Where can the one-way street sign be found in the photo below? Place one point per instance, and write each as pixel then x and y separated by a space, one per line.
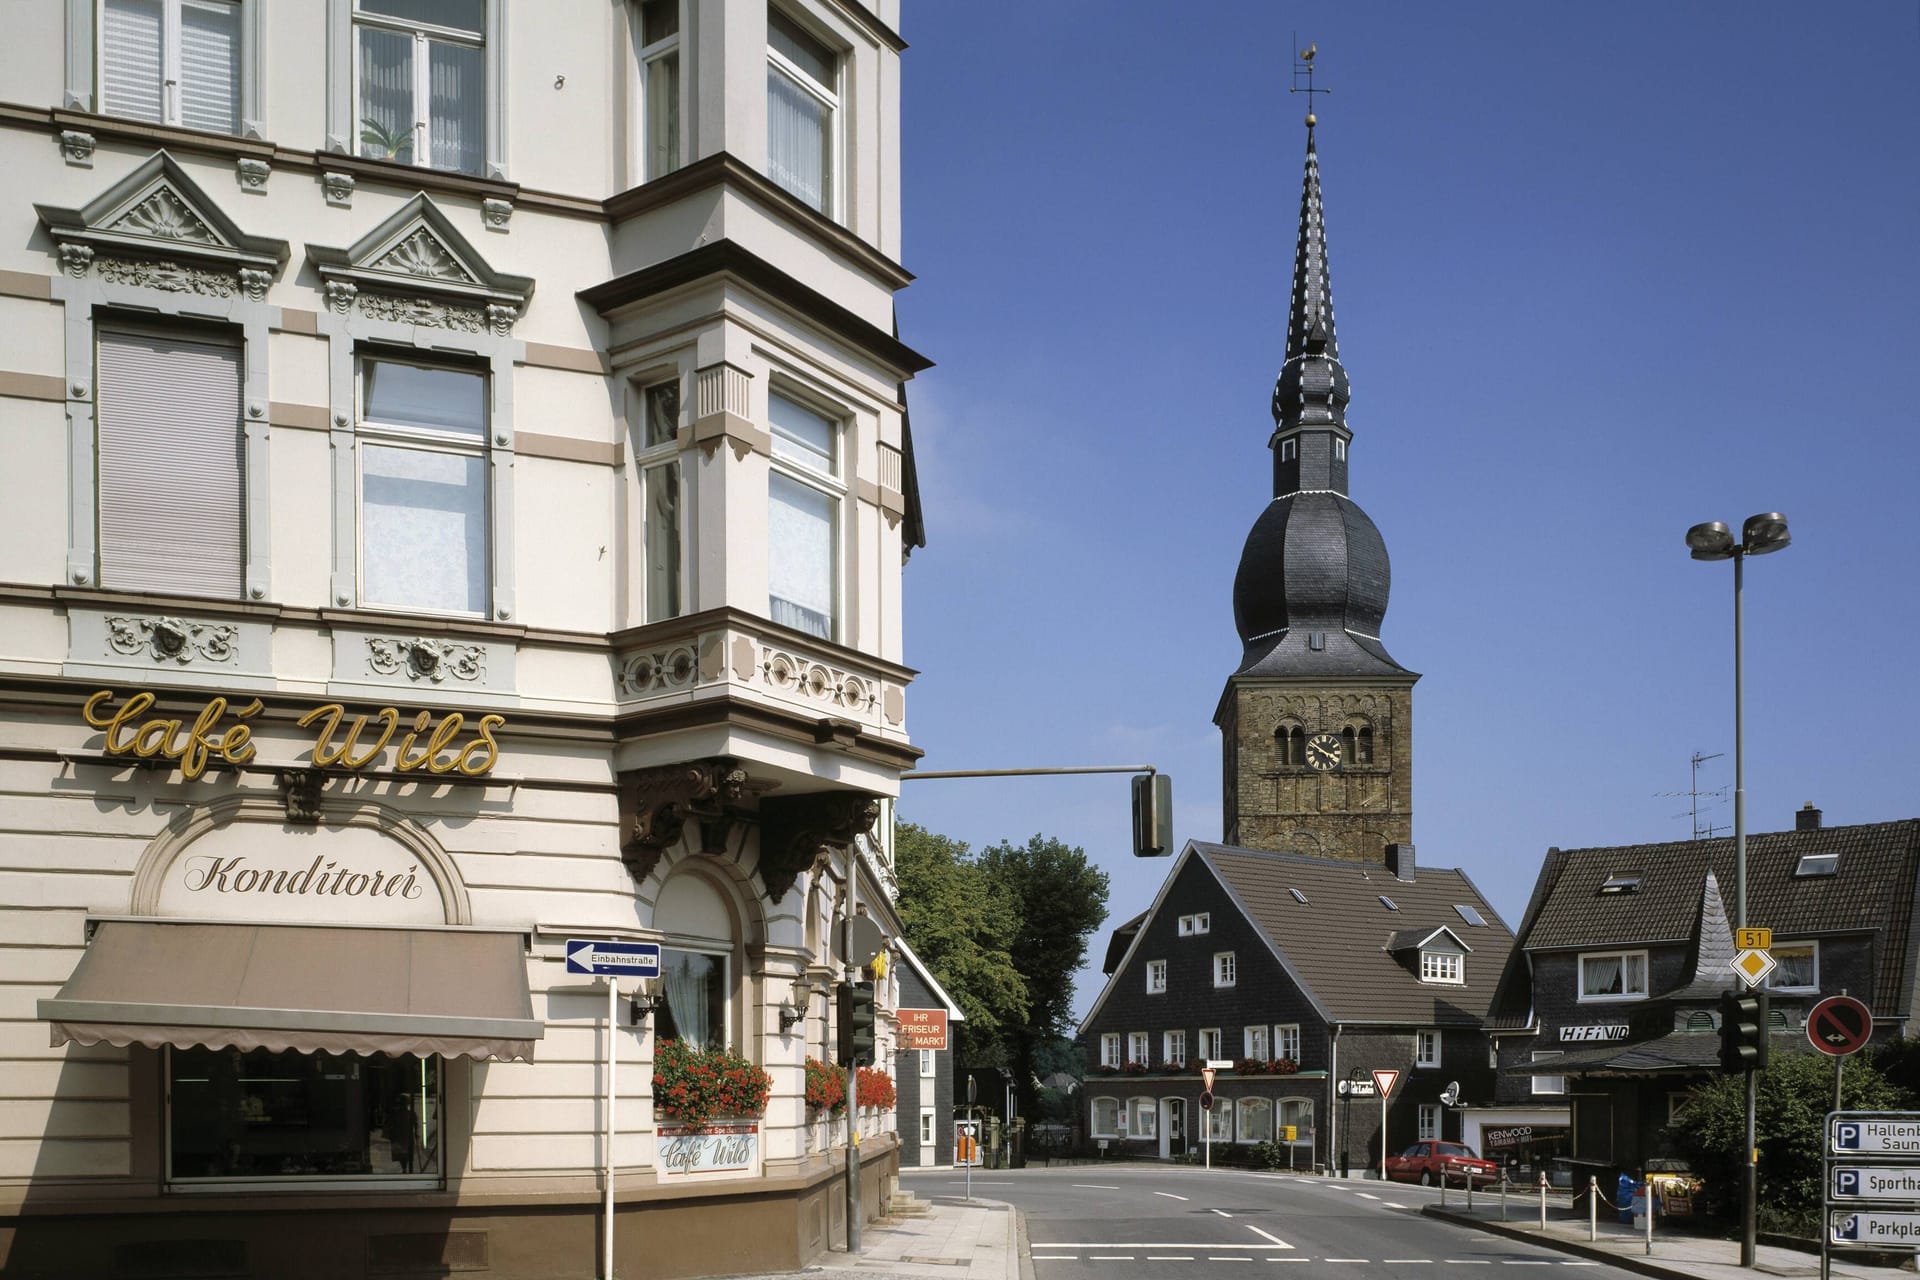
pixel 631 959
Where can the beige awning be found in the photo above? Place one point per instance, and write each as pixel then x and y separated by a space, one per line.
pixel 312 989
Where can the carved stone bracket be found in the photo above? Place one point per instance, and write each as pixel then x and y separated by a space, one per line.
pixel 77 147
pixel 77 259
pixel 496 214
pixel 796 830
pixel 252 174
pixel 300 792
pixel 338 188
pixel 340 295
pixel 657 804
pixel 172 639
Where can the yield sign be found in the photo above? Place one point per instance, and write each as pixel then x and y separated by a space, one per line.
pixel 1753 966
pixel 1385 1080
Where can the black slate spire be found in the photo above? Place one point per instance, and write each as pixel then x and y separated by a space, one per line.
pixel 1310 397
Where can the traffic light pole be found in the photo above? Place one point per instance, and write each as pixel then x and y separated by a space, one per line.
pixel 1749 1170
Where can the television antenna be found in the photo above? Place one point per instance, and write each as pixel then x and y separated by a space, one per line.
pixel 1694 795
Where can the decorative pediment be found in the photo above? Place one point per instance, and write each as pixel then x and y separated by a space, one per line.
pixel 159 212
pixel 417 268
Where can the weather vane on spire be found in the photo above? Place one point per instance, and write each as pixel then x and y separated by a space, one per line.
pixel 1303 66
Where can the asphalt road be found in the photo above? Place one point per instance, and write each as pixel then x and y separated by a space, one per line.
pixel 1143 1222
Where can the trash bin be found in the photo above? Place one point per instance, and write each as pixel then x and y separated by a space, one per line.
pixel 1642 1204
pixel 1623 1198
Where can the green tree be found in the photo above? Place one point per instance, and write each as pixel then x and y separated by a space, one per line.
pixel 963 931
pixel 1795 1093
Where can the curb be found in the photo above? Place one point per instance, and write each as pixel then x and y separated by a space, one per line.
pixel 1022 1243
pixel 1625 1261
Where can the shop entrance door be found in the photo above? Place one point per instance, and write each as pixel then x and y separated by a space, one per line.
pixel 1173 1127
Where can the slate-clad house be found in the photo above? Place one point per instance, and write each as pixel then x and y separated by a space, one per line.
pixel 1305 972
pixel 1610 1003
pixel 923 1078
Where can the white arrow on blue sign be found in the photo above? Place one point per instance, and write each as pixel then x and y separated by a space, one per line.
pixel 584 955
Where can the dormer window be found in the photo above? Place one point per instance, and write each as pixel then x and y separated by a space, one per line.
pixel 1817 864
pixel 1442 966
pixel 1622 882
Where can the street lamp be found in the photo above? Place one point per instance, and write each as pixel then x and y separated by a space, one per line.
pixel 1761 534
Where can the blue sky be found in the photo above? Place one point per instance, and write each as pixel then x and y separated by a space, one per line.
pixel 1600 272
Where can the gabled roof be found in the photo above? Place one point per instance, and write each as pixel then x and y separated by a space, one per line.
pixel 1336 945
pixel 1408 939
pixel 1871 891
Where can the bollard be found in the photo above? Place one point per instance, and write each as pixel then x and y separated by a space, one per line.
pixel 1443 1187
pixel 1649 1219
pixel 1543 1202
pixel 1469 1193
pixel 1503 1195
pixel 1593 1208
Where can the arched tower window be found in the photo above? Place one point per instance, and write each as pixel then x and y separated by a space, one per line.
pixel 1291 739
pixel 1363 747
pixel 1349 745
pixel 1357 738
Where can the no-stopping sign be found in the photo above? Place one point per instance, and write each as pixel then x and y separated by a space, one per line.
pixel 1839 1025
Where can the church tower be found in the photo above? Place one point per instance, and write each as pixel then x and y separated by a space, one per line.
pixel 1317 722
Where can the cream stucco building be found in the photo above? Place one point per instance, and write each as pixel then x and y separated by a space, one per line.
pixel 456 484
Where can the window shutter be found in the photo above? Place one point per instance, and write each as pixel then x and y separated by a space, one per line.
pixel 210 65
pixel 130 58
pixel 171 464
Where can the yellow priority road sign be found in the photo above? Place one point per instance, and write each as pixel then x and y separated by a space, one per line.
pixel 1753 966
pixel 1753 939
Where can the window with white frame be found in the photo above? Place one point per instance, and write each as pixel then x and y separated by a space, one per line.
pixel 660 496
pixel 660 85
pixel 1797 967
pixel 1138 1047
pixel 1429 1121
pixel 803 109
pixel 1676 1103
pixel 1286 1041
pixel 928 1064
pixel 1143 1115
pixel 1289 449
pixel 695 1009
pixel 926 1127
pixel 1110 1049
pixel 1442 966
pixel 1339 449
pixel 423 486
pixel 1224 969
pixel 1297 1112
pixel 1548 1084
pixel 1254 1120
pixel 1210 1046
pixel 803 517
pixel 1173 1048
pixel 1105 1118
pixel 1220 1121
pixel 1156 977
pixel 1613 975
pixel 171 458
pixel 1426 1049
pixel 172 62
pixel 1196 924
pixel 1253 1042
pixel 420 82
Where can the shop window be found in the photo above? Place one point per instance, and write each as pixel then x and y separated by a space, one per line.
pixel 1220 1121
pixel 1297 1112
pixel 661 523
pixel 660 85
pixel 803 518
pixel 1105 1120
pixel 172 462
pixel 420 82
pixel 1613 975
pixel 1143 1116
pixel 256 1115
pixel 1254 1123
pixel 695 1010
pixel 423 486
pixel 803 108
pixel 173 62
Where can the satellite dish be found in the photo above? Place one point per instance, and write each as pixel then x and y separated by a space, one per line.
pixel 1450 1094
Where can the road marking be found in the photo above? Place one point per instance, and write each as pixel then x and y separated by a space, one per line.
pixel 1524 1262
pixel 1169 1257
pixel 1169 1195
pixel 1150 1244
pixel 1346 1259
pixel 1222 1212
pixel 1264 1236
pixel 1466 1262
pixel 1390 1204
pixel 1111 1257
pixel 1364 1196
pixel 1217 1258
pixel 1092 1186
pixel 1056 1257
pixel 1579 1264
pixel 1392 1261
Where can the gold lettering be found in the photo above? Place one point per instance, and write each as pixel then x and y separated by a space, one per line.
pixel 156 738
pixel 236 745
pixel 401 762
pixel 325 754
pixel 474 768
pixel 442 735
pixel 119 720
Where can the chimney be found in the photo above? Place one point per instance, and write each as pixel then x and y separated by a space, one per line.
pixel 1808 819
pixel 1400 861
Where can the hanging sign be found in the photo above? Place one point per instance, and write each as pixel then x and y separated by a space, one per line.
pixel 432 745
pixel 923 1028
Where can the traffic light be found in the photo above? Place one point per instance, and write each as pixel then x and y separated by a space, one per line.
pixel 1152 815
pixel 853 1003
pixel 1743 1031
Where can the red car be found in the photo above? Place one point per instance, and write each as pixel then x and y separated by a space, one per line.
pixel 1428 1162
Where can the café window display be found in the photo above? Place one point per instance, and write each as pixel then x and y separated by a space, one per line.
pixel 695 1009
pixel 252 1115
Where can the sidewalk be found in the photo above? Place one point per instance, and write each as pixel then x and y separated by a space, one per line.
pixel 1686 1257
pixel 954 1239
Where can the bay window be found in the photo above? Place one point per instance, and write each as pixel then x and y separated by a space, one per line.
pixel 659 463
pixel 803 104
pixel 660 85
pixel 420 82
pixel 803 518
pixel 172 62
pixel 171 462
pixel 423 487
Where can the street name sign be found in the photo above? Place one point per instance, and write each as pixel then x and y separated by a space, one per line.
pixel 620 959
pixel 1219 1064
pixel 1864 1137
pixel 1874 1182
pixel 1753 939
pixel 1844 1227
pixel 1752 967
pixel 1839 1025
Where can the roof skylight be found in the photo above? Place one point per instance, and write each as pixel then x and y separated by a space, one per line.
pixel 1471 915
pixel 1299 897
pixel 1817 864
pixel 1388 903
pixel 1622 882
